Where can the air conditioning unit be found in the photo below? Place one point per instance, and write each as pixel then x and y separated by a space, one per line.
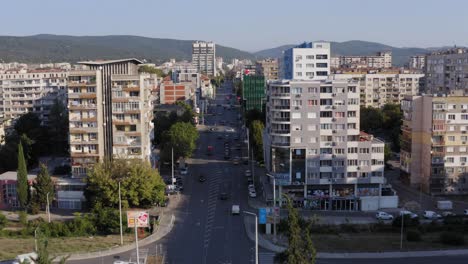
pixel 333 156
pixel 463 164
pixel 464 142
pixel 333 131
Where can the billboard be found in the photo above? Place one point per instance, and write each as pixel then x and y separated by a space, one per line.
pixel 141 217
pixel 262 215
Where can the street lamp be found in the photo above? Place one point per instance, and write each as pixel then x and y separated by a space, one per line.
pixel 401 232
pixel 120 213
pixel 274 205
pixel 256 234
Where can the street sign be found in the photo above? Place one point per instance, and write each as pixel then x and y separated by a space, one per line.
pixel 142 218
pixel 262 215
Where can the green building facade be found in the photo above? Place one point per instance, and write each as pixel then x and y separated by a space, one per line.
pixel 253 92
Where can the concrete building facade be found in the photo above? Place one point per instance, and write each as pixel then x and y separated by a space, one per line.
pixel 267 68
pixel 417 62
pixel 434 148
pixel 110 113
pixel 315 150
pixel 308 61
pixel 253 92
pixel 204 57
pixel 380 60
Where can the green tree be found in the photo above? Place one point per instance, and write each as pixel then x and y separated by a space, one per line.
pixel 257 138
pixel 141 185
pixel 3 221
pixel 22 178
pixel 371 119
pixel 188 115
pixel 152 70
pixel 252 115
pixel 387 153
pixel 58 128
pixel 182 137
pixel 162 123
pixel 43 185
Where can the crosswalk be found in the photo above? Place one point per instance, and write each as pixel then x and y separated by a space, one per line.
pixel 266 258
pixel 213 190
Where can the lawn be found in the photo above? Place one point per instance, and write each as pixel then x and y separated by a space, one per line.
pixel 11 247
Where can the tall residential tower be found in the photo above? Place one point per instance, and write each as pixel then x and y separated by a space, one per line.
pixel 204 57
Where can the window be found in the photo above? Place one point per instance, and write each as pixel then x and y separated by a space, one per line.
pixel 311 115
pixel 311 102
pixel 321 56
pixel 463 159
pixel 326 114
pixel 296 102
pixel 326 126
pixel 462 149
pixel 464 138
pixel 464 117
pixel 352 150
pixel 309 65
pixel 340 126
pixel 351 113
pixel 352 162
pixel 351 125
pixel 296 90
pixel 451 138
pixel 339 114
pixel 451 117
pixel 298 140
pixel 296 115
pixel 340 139
pixel 134 116
pixel 326 138
pixel 353 101
pixel 322 65
pixel 310 57
pixel 312 90
pixel 298 57
pixel 339 151
pixel 120 117
pixel 298 65
pixel 325 151
pixel 298 73
pixel 364 150
pixel 450 160
pixel 449 149
pixel 322 73
pixel 309 74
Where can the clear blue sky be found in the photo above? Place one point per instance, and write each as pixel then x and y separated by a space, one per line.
pixel 247 24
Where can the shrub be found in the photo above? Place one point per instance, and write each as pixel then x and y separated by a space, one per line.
pixel 408 221
pixel 451 238
pixel 413 235
pixel 23 218
pixel 3 221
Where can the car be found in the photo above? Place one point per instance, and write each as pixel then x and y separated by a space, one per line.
pixel 213 129
pixel 230 129
pixel 447 213
pixel 223 196
pixel 465 212
pixel 431 215
pixel 235 210
pixel 383 216
pixel 201 178
pixel 252 194
pixel 236 161
pixel 184 171
pixel 248 173
pixel 249 180
pixel 411 214
pixel 251 187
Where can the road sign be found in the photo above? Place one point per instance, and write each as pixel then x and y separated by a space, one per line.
pixel 262 215
pixel 142 218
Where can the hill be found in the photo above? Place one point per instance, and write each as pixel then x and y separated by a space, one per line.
pixel 355 47
pixel 58 48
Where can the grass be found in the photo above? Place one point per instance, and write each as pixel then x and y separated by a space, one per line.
pixel 11 247
pixel 375 242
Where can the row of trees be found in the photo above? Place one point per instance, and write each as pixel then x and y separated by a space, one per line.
pixel 255 121
pixel 385 122
pixel 37 139
pixel 178 132
pixel 153 70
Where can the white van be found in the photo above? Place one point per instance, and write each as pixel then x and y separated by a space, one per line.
pixel 431 215
pixel 235 209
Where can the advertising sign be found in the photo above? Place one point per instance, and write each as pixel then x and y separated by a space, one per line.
pixel 262 215
pixel 142 218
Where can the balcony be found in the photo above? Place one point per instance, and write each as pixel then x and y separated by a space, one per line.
pixel 81 84
pixel 131 88
pixel 81 107
pixel 281 120
pixel 281 107
pixel 280 95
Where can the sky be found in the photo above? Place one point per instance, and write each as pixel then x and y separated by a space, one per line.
pixel 249 25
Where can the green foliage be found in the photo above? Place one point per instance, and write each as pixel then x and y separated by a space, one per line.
pixel 257 138
pixel 413 236
pixel 452 238
pixel 42 251
pixel 152 70
pixel 387 153
pixel 58 128
pixel 106 220
pixel 43 185
pixel 162 123
pixel 141 185
pixel 3 221
pixel 370 119
pixel 23 218
pixel 408 221
pixel 188 115
pixel 182 137
pixel 253 115
pixel 387 120
pixel 22 178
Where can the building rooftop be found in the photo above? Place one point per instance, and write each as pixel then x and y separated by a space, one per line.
pixel 12 176
pixel 102 62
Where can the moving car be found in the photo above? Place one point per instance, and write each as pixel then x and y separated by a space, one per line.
pixel 230 129
pixel 383 216
pixel 223 196
pixel 431 215
pixel 251 187
pixel 252 194
pixel 236 161
pixel 235 209
pixel 184 171
pixel 248 173
pixel 465 212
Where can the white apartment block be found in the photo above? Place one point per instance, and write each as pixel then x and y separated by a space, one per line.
pixel 315 150
pixel 417 62
pixel 110 113
pixel 308 61
pixel 447 71
pixel 380 60
pixel 378 89
pixel 24 91
pixel 204 57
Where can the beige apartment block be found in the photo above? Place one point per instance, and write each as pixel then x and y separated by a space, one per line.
pixel 110 112
pixel 435 143
pixel 267 68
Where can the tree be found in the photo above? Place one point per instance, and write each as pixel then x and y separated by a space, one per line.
pixel 370 119
pixel 257 138
pixel 58 127
pixel 43 186
pixel 152 70
pixel 3 221
pixel 252 115
pixel 162 123
pixel 182 137
pixel 387 153
pixel 141 185
pixel 22 178
pixel 188 115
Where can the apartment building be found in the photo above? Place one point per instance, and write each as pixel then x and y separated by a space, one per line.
pixel 253 92
pixel 308 61
pixel 378 89
pixel 110 113
pixel 267 68
pixel 204 57
pixel 434 148
pixel 31 91
pixel 417 62
pixel 447 71
pixel 315 150
pixel 380 60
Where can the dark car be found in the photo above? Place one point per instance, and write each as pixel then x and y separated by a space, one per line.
pixel 223 196
pixel 201 178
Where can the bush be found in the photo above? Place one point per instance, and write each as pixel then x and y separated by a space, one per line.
pixel 408 221
pixel 3 221
pixel 451 238
pixel 23 218
pixel 413 236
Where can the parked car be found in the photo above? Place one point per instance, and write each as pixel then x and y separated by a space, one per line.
pixel 184 171
pixel 235 209
pixel 411 214
pixel 236 161
pixel 447 213
pixel 252 193
pixel 201 178
pixel 431 215
pixel 383 216
pixel 251 187
pixel 465 212
pixel 248 173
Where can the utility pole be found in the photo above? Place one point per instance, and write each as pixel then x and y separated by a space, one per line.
pixel 136 239
pixel 401 232
pixel 120 213
pixel 172 158
pixel 48 206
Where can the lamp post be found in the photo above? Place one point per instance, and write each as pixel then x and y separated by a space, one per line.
pixel 274 205
pixel 120 213
pixel 401 232
pixel 256 234
pixel 48 206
